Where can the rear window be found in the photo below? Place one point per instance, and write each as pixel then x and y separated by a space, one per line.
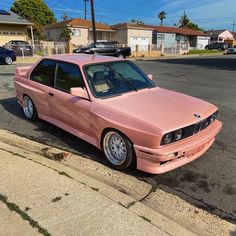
pixel 44 73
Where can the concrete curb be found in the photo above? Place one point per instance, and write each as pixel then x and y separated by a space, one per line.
pixel 145 212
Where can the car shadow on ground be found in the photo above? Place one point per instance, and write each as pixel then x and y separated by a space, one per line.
pixel 207 62
pixel 45 132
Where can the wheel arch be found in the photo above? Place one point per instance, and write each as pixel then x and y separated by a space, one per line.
pixel 107 129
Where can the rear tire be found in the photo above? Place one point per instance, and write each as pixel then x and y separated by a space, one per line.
pixel 8 60
pixel 118 150
pixel 29 109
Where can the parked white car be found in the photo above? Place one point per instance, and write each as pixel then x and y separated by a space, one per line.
pixel 231 50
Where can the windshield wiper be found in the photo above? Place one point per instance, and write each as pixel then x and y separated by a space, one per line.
pixel 127 81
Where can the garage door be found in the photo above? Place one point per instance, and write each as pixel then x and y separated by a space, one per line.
pixel 202 42
pixel 141 41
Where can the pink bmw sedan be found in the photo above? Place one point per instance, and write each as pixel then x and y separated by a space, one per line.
pixel 114 105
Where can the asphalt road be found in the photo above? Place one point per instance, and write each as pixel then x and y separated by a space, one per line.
pixel 210 181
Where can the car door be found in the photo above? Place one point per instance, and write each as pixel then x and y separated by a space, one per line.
pixel 70 111
pixel 98 48
pixel 2 54
pixel 41 79
pixel 109 49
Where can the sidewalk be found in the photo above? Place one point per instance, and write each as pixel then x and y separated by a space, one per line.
pixel 58 200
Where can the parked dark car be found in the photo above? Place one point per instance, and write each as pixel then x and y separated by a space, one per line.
pixel 21 48
pixel 7 56
pixel 105 48
pixel 218 46
pixel 232 50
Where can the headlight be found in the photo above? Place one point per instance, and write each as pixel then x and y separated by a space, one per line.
pixel 178 134
pixel 167 138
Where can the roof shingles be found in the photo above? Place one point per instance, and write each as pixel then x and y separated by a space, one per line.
pixel 13 18
pixel 78 22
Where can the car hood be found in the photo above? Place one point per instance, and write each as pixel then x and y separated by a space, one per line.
pixel 164 109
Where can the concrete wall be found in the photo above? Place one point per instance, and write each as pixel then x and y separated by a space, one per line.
pixel 140 33
pixel 12 32
pixel 121 36
pixel 165 38
pixel 80 39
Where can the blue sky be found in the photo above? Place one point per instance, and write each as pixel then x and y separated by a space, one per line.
pixel 217 14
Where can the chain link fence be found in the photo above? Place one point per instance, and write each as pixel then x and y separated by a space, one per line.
pixel 22 49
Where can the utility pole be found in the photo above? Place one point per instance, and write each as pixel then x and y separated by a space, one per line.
pixel 85 8
pixel 234 26
pixel 93 21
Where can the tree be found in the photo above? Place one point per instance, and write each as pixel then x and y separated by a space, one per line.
pixel 184 21
pixel 162 16
pixel 193 26
pixel 35 11
pixel 65 34
pixel 139 22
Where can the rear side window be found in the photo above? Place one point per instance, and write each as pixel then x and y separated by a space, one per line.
pixel 68 76
pixel 44 73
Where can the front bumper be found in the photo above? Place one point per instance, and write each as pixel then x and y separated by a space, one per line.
pixel 167 158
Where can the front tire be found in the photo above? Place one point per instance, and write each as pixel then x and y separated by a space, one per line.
pixel 29 109
pixel 118 150
pixel 8 60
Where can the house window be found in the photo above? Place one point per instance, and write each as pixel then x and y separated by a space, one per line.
pixel 12 33
pixel 161 37
pixel 19 33
pixel 5 33
pixel 76 32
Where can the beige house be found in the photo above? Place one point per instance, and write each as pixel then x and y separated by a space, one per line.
pixel 125 33
pixel 134 34
pixel 81 31
pixel 220 35
pixel 13 27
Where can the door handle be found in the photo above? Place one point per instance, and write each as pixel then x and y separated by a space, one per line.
pixel 51 94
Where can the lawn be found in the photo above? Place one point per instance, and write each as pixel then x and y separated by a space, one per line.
pixel 203 51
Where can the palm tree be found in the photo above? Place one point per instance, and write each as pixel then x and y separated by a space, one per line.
pixel 162 16
pixel 184 21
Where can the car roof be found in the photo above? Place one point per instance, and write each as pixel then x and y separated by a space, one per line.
pixel 83 59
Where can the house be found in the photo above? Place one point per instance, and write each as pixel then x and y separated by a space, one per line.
pixel 81 31
pixel 219 35
pixel 134 34
pixel 13 27
pixel 173 35
pixel 127 34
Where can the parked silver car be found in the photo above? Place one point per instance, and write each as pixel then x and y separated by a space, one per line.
pixel 231 50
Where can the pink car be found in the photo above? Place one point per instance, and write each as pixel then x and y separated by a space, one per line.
pixel 115 106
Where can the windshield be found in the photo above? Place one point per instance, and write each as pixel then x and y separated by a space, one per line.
pixel 91 45
pixel 115 78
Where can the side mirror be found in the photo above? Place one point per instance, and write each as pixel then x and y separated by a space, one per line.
pixel 79 92
pixel 150 76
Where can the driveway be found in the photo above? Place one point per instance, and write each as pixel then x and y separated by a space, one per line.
pixel 210 181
